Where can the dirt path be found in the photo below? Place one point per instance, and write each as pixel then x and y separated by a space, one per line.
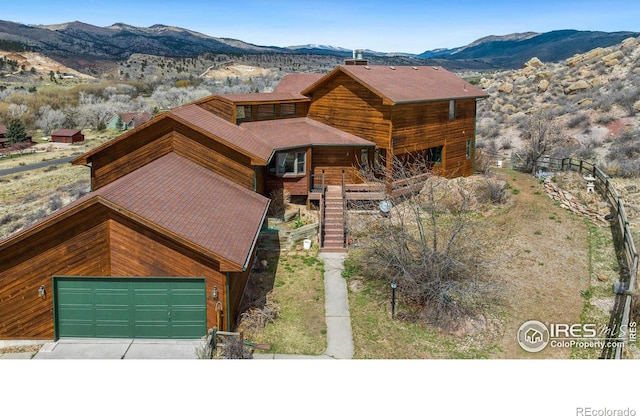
pixel 548 267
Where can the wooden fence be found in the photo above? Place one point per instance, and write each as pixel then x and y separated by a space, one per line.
pixel 625 248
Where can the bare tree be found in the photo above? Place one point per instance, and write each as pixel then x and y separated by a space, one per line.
pixel 541 135
pixel 49 119
pixel 428 245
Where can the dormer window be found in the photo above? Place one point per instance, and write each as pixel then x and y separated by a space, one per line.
pixel 266 110
pixel 243 112
pixel 288 109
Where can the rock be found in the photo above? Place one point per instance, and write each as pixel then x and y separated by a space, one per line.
pixel 603 277
pixel 630 43
pixel 508 108
pixel 636 106
pixel 577 86
pixel 506 87
pixel 534 63
pixel 543 85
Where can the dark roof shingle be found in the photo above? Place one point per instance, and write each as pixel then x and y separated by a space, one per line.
pixel 401 84
pixel 194 203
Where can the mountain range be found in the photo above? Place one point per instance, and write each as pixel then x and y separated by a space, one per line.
pixel 77 42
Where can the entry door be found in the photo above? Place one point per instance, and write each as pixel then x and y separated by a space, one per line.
pixel 133 307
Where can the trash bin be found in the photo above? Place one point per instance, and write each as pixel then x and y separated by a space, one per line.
pixel 306 244
pixel 499 163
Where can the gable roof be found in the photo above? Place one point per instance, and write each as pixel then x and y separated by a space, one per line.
pixel 231 134
pixel 294 83
pixel 195 204
pixel 137 118
pixel 404 84
pixel 182 201
pixel 65 132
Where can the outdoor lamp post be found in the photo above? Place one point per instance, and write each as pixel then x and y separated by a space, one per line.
pixel 394 285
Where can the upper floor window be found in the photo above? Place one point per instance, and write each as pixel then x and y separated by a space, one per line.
pixel 469 150
pixel 288 109
pixel 452 109
pixel 266 110
pixel 243 112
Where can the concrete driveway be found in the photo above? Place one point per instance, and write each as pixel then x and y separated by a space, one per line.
pixel 90 348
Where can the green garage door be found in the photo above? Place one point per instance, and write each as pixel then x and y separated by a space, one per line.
pixel 101 307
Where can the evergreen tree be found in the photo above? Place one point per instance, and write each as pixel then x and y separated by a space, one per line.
pixel 16 131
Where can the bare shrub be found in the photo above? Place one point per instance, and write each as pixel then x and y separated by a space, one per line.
pixel 624 155
pixel 280 200
pixel 541 136
pixel 482 161
pixel 9 217
pixel 430 248
pixel 256 318
pixel 492 191
pixel 36 215
pixel 580 120
pixel 55 203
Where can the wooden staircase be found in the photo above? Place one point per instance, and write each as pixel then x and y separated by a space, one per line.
pixel 333 240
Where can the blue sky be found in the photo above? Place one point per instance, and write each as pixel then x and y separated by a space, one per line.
pixel 412 26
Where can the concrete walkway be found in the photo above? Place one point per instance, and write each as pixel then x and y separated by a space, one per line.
pixel 339 335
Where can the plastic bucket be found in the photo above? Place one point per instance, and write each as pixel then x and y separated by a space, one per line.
pixel 306 244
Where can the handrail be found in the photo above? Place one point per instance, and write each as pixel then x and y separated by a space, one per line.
pixel 321 225
pixel 344 213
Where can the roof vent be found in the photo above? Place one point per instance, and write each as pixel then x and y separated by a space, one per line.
pixel 414 67
pixel 435 67
pixel 392 67
pixel 367 67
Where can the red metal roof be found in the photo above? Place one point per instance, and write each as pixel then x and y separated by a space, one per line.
pixel 401 84
pixel 294 83
pixel 194 203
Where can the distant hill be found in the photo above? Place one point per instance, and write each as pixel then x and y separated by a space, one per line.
pixel 81 43
pixel 512 51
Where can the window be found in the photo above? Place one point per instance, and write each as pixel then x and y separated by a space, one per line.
pixel 452 109
pixel 469 150
pixel 243 112
pixel 288 109
pixel 378 159
pixel 434 155
pixel 288 164
pixel 266 110
pixel 364 159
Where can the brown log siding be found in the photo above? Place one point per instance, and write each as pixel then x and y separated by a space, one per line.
pixel 78 246
pixel 347 105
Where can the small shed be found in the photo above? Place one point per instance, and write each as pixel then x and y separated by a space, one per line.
pixel 67 136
